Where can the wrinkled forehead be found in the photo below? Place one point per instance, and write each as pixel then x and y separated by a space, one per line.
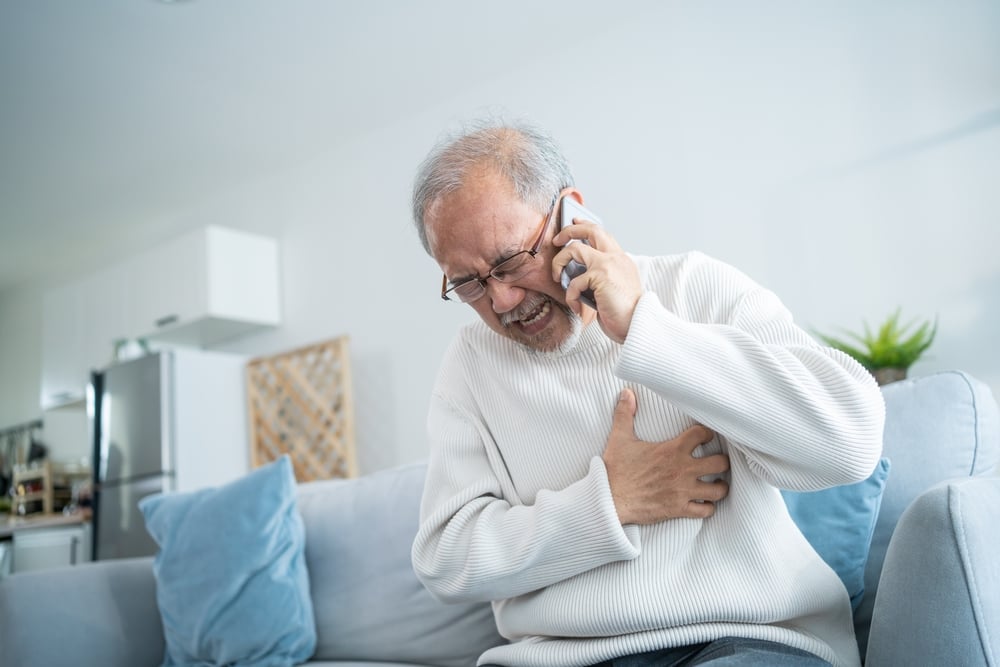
pixel 477 225
pixel 481 199
pixel 482 180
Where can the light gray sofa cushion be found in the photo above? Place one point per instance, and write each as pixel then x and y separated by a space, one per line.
pixel 368 603
pixel 937 427
pixel 937 602
pixel 94 614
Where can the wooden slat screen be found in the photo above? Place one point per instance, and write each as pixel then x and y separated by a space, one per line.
pixel 300 404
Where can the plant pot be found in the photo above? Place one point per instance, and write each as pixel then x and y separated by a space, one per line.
pixel 886 375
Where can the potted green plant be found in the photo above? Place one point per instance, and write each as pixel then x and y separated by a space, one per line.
pixel 889 352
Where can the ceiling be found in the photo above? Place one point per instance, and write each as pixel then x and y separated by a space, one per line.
pixel 115 112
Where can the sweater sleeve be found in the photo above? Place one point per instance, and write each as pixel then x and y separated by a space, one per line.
pixel 805 416
pixel 475 543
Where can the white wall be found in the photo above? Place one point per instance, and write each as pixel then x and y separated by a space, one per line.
pixel 831 151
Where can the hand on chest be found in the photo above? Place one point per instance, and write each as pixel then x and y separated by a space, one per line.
pixel 547 438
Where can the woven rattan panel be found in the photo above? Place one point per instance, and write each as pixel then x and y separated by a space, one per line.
pixel 300 404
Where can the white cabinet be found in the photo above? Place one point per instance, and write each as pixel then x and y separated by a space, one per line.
pixel 205 287
pixel 80 322
pixel 64 366
pixel 197 290
pixel 5 559
pixel 42 548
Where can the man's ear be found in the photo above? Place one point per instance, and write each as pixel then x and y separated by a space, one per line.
pixel 574 193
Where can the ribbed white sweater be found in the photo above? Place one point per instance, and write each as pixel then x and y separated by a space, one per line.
pixel 517 507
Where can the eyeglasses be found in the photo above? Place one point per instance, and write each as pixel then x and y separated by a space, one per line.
pixel 508 270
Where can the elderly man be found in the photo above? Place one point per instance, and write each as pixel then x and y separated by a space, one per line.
pixel 609 477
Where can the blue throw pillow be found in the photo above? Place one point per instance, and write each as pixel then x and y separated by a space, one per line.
pixel 231 579
pixel 839 522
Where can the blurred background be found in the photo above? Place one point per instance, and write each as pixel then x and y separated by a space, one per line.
pixel 844 154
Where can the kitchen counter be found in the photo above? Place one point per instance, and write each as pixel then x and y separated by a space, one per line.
pixel 11 524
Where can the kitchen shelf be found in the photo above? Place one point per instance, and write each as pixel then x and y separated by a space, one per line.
pixel 26 502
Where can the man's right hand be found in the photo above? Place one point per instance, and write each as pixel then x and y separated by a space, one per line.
pixel 655 481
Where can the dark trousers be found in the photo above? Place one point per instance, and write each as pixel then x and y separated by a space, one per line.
pixel 725 652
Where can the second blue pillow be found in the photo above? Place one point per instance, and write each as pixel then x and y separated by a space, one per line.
pixel 839 522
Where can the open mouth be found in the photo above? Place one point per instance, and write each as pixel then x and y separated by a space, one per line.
pixel 537 314
pixel 532 319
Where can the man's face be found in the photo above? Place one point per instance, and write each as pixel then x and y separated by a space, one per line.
pixel 482 223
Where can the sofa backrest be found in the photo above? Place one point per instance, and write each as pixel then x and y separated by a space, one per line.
pixel 937 427
pixel 368 603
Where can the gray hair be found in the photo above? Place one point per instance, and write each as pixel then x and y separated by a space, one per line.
pixel 517 150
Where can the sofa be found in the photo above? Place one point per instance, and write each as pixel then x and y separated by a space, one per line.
pixel 932 584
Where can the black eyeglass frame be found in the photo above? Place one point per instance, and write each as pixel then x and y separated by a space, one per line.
pixel 481 280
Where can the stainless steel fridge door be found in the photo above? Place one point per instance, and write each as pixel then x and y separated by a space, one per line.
pixel 120 528
pixel 133 415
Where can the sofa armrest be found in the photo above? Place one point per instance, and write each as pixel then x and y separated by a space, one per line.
pixel 938 601
pixel 101 613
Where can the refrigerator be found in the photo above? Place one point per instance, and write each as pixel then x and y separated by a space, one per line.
pixel 171 421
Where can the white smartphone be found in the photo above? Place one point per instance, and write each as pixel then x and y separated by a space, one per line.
pixel 569 209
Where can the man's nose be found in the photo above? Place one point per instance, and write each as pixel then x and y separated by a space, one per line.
pixel 504 296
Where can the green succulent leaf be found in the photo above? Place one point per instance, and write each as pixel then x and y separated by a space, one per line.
pixel 893 346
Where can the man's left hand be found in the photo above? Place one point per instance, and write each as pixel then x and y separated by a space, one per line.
pixel 611 275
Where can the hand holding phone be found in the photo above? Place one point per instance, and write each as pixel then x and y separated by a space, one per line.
pixel 569 209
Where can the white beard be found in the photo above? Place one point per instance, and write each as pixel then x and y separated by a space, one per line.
pixel 571 340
